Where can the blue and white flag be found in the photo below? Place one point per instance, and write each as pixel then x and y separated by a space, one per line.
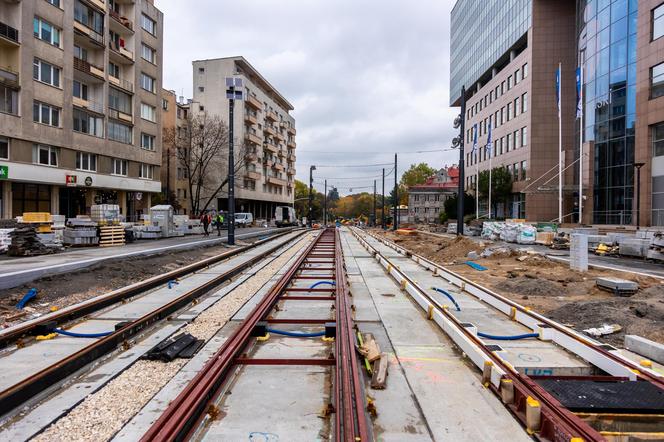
pixel 579 92
pixel 474 138
pixel 558 90
pixel 488 141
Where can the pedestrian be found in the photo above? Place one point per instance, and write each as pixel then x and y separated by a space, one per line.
pixel 219 219
pixel 205 219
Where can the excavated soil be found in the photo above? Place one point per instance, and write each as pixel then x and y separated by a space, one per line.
pixel 550 287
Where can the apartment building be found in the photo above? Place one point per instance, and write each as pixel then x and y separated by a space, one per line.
pixel 506 53
pixel 264 134
pixel 174 182
pixel 427 200
pixel 80 105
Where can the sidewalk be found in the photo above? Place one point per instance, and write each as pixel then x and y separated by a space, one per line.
pixel 15 271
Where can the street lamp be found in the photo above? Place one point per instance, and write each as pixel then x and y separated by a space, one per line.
pixel 638 193
pixel 311 194
pixel 232 94
pixel 459 122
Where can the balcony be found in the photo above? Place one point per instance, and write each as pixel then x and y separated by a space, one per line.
pixel 291 130
pixel 92 106
pixel 9 78
pixel 253 138
pixel 126 55
pixel 280 136
pixel 93 35
pixel 252 175
pixel 276 181
pixel 270 147
pixel 8 34
pixel 269 130
pixel 101 4
pixel 253 102
pixel 119 115
pixel 291 157
pixel 251 119
pixel 251 157
pixel 124 21
pixel 291 144
pixel 88 68
pixel 123 84
pixel 277 166
pixel 271 115
pixel 290 171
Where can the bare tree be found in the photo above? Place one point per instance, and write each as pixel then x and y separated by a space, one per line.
pixel 201 151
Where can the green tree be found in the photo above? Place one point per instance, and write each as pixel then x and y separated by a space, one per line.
pixel 501 186
pixel 332 195
pixel 417 174
pixel 302 201
pixel 450 206
pixel 403 196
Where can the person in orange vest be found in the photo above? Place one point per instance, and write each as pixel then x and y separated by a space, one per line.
pixel 205 219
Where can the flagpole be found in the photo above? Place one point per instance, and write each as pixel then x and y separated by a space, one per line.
pixel 560 146
pixel 580 145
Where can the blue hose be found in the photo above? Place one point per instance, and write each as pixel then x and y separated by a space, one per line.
pixel 171 283
pixel 321 283
pixel 296 334
pixel 508 338
pixel 449 297
pixel 32 293
pixel 80 335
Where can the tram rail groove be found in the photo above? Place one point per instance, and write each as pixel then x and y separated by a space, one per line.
pixel 76 311
pixel 556 422
pixel 185 415
pixel 16 395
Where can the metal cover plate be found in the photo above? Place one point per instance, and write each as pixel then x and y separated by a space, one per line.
pixel 606 396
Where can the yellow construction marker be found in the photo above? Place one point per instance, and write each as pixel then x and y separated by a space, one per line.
pixel 46 337
pixel 646 363
pixel 430 312
pixel 263 338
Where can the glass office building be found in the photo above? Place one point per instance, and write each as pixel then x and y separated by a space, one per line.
pixel 607 51
pixel 483 31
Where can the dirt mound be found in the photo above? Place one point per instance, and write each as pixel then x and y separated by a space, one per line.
pixel 526 286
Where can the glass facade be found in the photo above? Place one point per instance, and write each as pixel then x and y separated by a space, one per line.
pixel 482 32
pixel 607 52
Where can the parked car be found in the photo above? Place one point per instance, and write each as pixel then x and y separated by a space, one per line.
pixel 284 216
pixel 244 219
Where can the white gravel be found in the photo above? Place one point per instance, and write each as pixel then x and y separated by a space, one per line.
pixel 102 414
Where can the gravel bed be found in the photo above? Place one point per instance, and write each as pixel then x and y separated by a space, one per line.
pixel 102 414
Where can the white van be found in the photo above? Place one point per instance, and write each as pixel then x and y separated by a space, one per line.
pixel 284 216
pixel 244 219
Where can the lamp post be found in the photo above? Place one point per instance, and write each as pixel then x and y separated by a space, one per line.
pixel 638 193
pixel 459 123
pixel 382 204
pixel 395 221
pixel 311 194
pixel 232 94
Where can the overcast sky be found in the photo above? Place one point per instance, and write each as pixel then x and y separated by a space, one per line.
pixel 367 78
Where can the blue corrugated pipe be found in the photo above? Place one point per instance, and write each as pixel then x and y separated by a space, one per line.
pixel 296 334
pixel 27 297
pixel 508 338
pixel 80 335
pixel 321 283
pixel 448 295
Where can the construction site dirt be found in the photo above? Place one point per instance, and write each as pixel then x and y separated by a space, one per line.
pixel 58 291
pixel 549 287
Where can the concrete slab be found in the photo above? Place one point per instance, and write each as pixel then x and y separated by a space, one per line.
pixel 304 310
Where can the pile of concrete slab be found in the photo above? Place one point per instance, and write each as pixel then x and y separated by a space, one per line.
pixel 642 244
pixel 147 232
pixel 81 231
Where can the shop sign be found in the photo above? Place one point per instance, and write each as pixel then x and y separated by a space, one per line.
pixel 88 181
pixel 97 199
pixel 71 180
pixel 4 172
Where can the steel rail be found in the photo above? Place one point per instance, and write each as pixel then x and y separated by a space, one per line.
pixel 184 413
pixel 557 422
pixel 68 314
pixel 35 384
pixel 633 368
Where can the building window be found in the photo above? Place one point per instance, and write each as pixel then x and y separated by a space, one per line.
pixel 509 143
pixel 516 76
pixel 4 148
pixel 657 22
pixel 201 70
pixel 89 17
pixel 146 171
pixel 517 106
pixel 45 114
pixel 164 104
pixel 148 53
pixel 515 171
pixel 523 170
pixel 148 112
pixel 517 143
pixel 55 3
pixel 201 89
pixel 148 24
pixel 657 81
pixel 524 102
pixel 45 72
pixel 8 100
pixel 524 136
pixel 88 124
pixel 147 141
pixel 120 101
pixel 509 82
pixel 119 167
pixel 113 70
pixel 86 161
pixel 509 111
pixel 524 70
pixel 45 31
pixel 658 140
pixel 45 155
pixel 148 83
pixel 119 132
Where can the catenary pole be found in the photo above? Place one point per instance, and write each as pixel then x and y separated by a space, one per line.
pixel 460 191
pixel 231 172
pixel 560 145
pixel 395 220
pixel 382 205
pixel 581 146
pixel 325 211
pixel 373 215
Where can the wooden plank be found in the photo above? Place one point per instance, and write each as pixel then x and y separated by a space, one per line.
pixel 369 348
pixel 379 378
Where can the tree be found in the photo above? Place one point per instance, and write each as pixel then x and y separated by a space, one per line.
pixel 302 201
pixel 332 195
pixel 201 152
pixel 417 174
pixel 501 186
pixel 403 196
pixel 450 206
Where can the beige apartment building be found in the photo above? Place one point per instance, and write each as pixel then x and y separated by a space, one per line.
pixel 174 183
pixel 80 105
pixel 264 134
